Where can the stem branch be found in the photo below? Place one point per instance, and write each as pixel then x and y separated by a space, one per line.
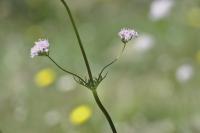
pixel 65 70
pixel 113 61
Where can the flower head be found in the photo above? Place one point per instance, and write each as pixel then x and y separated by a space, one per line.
pixel 40 48
pixel 127 34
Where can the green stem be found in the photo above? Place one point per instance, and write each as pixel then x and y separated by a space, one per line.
pixel 104 111
pixel 113 61
pixel 79 40
pixel 65 70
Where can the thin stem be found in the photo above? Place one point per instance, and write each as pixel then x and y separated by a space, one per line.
pixel 102 70
pixel 79 40
pixel 104 111
pixel 65 70
pixel 113 61
pixel 88 68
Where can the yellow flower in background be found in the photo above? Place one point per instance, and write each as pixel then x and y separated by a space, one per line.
pixel 80 115
pixel 45 77
pixel 193 17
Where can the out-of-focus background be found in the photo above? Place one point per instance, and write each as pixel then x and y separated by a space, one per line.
pixel 154 88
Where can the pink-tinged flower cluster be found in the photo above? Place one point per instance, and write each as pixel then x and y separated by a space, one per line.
pixel 40 48
pixel 127 34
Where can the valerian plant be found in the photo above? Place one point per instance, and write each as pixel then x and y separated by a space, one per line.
pixel 42 48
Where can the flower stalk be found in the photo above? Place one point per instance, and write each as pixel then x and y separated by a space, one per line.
pixel 113 61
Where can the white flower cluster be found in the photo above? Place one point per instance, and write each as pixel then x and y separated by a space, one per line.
pixel 40 48
pixel 127 34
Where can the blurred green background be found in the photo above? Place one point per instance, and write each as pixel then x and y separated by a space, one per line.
pixel 154 88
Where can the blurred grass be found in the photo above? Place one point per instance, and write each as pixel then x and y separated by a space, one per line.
pixel 142 92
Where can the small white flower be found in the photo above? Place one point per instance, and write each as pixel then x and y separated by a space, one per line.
pixel 184 73
pixel 52 118
pixel 160 9
pixel 66 83
pixel 127 34
pixel 40 48
pixel 144 43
